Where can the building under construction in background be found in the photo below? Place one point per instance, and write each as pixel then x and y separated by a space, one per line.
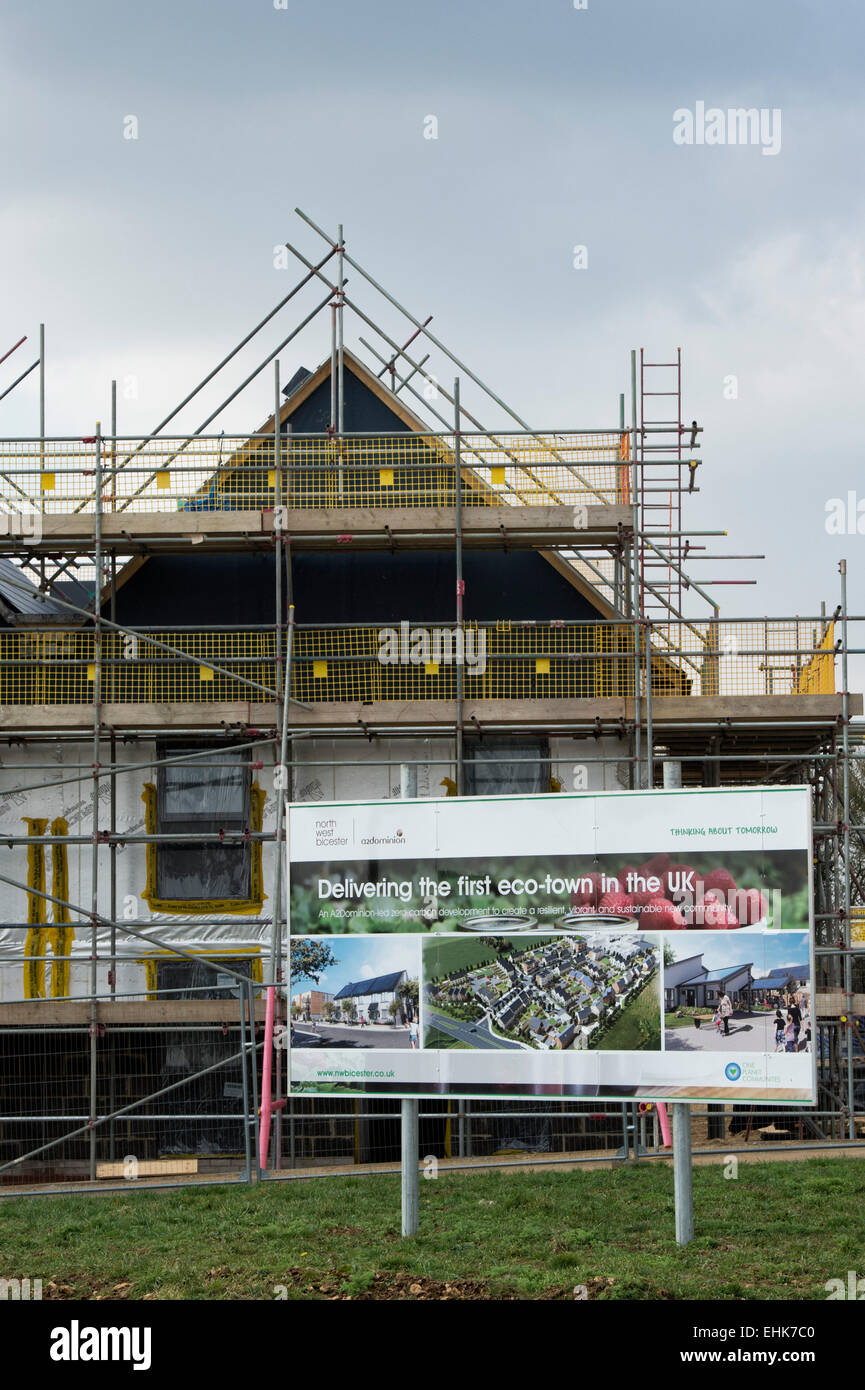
pixel 183 615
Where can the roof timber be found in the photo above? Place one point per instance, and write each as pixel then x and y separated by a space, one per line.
pixel 808 712
pixel 495 527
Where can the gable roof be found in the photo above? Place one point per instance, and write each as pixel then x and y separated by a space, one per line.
pixel 23 604
pixel 377 984
pixel 300 388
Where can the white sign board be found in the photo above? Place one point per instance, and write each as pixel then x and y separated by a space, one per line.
pixel 655 944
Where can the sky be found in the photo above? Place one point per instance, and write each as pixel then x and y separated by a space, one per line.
pixel 148 258
pixel 767 951
pixel 362 957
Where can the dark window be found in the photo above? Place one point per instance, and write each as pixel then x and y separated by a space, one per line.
pixel 199 979
pixel 514 764
pixel 208 795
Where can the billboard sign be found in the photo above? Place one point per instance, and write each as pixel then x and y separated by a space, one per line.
pixel 655 944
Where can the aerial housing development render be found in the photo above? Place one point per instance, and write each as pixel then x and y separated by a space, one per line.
pixel 541 992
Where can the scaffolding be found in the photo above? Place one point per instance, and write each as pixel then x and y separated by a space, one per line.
pixel 658 676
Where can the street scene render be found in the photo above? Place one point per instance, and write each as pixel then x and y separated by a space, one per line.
pixel 542 992
pixel 355 1003
pixel 752 994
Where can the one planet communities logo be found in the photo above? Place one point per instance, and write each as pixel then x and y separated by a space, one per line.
pixel 732 1071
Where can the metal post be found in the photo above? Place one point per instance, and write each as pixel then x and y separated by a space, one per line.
pixel 248 1117
pixel 94 855
pixel 460 588
pixel 279 686
pixel 281 830
pixel 845 820
pixel 340 378
pixel 683 1176
pixel 630 1128
pixel 672 769
pixel 618 570
pixel 41 497
pixel 42 384
pixel 277 503
pixel 112 963
pixel 650 738
pixel 333 414
pixel 409 1129
pixel 636 552
pixel 409 1167
pixel 281 876
pixel 407 780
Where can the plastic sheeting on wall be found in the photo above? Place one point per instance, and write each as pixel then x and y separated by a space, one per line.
pixel 487 775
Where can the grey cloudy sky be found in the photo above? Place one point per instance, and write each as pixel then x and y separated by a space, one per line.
pixel 149 258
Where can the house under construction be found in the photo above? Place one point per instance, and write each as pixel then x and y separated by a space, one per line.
pixel 183 616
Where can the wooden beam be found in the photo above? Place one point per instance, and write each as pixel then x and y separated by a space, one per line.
pixel 148 1168
pixel 817 710
pixel 71 1013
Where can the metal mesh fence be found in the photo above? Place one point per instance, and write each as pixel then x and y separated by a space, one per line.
pixel 207 474
pixel 132 1087
pixel 500 661
pixel 163 1086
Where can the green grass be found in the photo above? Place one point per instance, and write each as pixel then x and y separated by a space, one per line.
pixel 639 1028
pixel 434 1038
pixel 778 1231
pixel 443 956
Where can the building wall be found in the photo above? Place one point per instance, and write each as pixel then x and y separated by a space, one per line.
pixel 72 803
pixel 356 777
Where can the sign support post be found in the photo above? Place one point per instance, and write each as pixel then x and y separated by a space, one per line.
pixel 409 1122
pixel 683 1174
pixel 409 1166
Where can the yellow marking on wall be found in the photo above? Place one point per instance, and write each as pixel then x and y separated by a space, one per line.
pixel 63 932
pixel 34 969
pixel 40 937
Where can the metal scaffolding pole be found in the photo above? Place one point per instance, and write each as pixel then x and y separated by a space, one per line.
pixel 460 589
pixel 281 691
pixel 283 796
pixel 234 351
pixel 94 858
pixel 401 352
pixel 635 574
pixel 277 529
pixel 42 384
pixel 112 964
pixel 845 822
pixel 227 401
pixel 340 379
